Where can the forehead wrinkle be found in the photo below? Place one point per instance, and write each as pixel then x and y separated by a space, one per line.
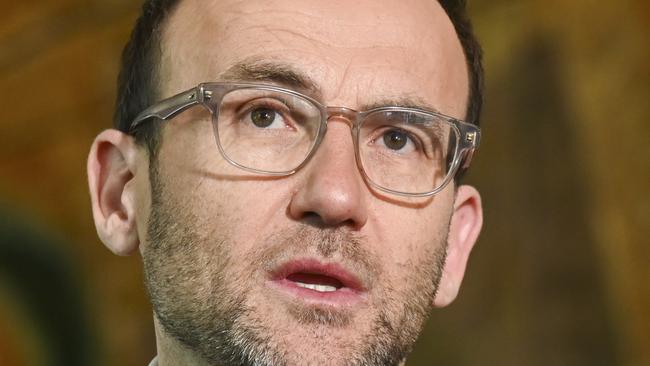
pixel 298 21
pixel 296 39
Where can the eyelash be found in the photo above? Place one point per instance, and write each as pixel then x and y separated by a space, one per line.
pixel 249 106
pixel 379 134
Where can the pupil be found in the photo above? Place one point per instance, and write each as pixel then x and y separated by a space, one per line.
pixel 263 117
pixel 395 140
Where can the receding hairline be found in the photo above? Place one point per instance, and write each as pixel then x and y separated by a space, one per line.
pixel 283 73
pixel 279 71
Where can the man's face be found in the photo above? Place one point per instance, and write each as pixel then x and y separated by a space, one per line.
pixel 242 268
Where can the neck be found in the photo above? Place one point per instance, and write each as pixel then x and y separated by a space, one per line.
pixel 173 353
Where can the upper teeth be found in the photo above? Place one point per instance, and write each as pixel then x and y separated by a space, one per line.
pixel 319 288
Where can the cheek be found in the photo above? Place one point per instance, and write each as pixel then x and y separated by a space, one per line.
pixel 411 237
pixel 248 210
pixel 238 206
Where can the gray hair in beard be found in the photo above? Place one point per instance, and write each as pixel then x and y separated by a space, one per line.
pixel 218 330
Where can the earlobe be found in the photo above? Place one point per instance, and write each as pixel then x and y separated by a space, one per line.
pixel 464 229
pixel 111 172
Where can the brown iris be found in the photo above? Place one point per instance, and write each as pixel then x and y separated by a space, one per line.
pixel 395 139
pixel 263 117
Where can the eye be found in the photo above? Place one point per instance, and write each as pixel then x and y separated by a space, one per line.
pixel 266 117
pixel 398 140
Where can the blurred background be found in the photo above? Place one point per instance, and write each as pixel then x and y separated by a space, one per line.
pixel 560 275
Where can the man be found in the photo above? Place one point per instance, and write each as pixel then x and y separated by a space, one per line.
pixel 289 173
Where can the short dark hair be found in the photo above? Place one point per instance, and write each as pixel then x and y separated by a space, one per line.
pixel 457 12
pixel 137 86
pixel 137 83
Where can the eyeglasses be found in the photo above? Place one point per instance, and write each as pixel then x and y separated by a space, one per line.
pixel 270 130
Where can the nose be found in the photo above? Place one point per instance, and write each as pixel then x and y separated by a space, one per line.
pixel 331 191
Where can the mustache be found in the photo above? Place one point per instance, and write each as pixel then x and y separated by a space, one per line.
pixel 340 245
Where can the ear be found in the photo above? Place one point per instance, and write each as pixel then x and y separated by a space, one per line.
pixel 466 223
pixel 111 173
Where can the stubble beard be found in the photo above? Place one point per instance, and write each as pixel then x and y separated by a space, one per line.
pixel 199 303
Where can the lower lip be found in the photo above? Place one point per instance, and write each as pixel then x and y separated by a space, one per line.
pixel 342 297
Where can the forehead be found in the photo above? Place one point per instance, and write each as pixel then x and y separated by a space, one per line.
pixel 352 50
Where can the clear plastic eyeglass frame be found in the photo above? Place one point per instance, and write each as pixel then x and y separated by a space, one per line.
pixel 211 94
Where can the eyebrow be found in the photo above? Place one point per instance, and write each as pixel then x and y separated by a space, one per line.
pixel 286 75
pixel 403 102
pixel 272 72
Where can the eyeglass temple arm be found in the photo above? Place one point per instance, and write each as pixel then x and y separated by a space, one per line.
pixel 170 107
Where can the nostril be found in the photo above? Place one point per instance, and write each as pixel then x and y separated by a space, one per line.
pixel 315 220
pixel 311 218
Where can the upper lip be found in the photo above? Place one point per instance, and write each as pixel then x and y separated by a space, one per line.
pixel 313 266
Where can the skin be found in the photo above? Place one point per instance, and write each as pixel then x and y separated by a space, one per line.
pixel 356 57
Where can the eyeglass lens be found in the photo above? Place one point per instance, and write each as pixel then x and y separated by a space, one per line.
pixel 274 131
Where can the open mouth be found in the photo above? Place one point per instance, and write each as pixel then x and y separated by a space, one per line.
pixel 316 282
